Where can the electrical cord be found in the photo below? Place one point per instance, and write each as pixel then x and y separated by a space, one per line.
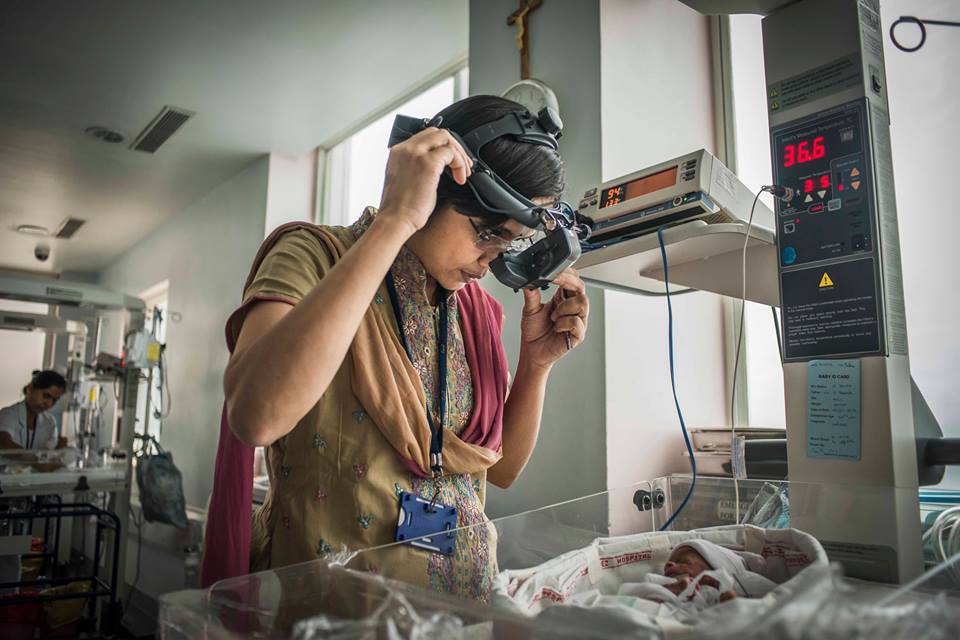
pixel 138 522
pixel 165 407
pixel 157 404
pixel 166 382
pixel 146 441
pixel 785 194
pixel 944 538
pixel 736 361
pixel 743 306
pixel 673 385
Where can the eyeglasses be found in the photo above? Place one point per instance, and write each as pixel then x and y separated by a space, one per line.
pixel 490 239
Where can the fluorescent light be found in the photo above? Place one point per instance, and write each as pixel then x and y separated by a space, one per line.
pixel 33 230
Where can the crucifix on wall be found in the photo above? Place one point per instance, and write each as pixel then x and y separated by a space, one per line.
pixel 519 19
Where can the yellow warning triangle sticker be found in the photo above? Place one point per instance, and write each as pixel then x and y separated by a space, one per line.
pixel 825 281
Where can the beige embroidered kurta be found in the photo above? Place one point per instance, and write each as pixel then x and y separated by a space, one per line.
pixel 334 479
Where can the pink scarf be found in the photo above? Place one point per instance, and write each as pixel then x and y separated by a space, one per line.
pixel 228 531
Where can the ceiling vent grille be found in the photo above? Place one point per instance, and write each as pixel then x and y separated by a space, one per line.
pixel 68 227
pixel 164 125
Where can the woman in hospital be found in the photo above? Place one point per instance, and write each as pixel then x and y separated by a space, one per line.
pixel 26 424
pixel 342 392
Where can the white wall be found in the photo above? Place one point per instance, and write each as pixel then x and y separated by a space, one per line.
pixel 925 132
pixel 570 458
pixel 609 408
pixel 657 103
pixel 291 189
pixel 205 252
pixel 22 353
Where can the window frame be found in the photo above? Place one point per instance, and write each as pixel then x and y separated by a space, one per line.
pixel 726 145
pixel 760 356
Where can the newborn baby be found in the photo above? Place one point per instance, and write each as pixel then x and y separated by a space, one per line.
pixel 697 575
pixel 687 561
pixel 695 564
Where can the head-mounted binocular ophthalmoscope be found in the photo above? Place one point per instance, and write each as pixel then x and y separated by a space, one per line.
pixel 562 228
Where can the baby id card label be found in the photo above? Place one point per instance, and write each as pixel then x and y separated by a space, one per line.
pixel 833 409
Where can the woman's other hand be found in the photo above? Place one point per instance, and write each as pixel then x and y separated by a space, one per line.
pixel 413 172
pixel 544 327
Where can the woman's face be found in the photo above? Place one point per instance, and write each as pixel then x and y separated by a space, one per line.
pixel 40 400
pixel 452 251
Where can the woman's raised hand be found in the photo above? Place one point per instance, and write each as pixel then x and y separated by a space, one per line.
pixel 544 327
pixel 413 172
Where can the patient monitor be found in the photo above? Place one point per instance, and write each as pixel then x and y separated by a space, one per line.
pixel 695 186
pixel 705 210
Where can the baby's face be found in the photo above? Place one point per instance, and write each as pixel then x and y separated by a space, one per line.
pixel 684 561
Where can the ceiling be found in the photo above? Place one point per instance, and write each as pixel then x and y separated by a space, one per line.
pixel 280 76
pixel 723 7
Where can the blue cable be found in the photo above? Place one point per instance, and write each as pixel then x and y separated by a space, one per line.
pixel 673 383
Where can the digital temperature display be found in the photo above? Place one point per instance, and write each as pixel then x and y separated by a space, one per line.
pixel 640 187
pixel 803 151
pixel 816 183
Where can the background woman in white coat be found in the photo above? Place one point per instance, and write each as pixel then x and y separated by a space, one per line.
pixel 26 424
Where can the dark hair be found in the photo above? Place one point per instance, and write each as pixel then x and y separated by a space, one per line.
pixel 47 379
pixel 531 169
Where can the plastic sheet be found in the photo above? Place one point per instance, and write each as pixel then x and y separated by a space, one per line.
pixel 396 616
pixel 770 509
pixel 315 599
pixel 332 602
pixel 823 606
pixel 615 572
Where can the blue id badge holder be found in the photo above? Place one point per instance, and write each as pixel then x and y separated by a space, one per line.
pixel 426 525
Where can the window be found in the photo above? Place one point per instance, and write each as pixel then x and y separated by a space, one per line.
pixel 354 168
pixel 154 387
pixel 762 373
pixel 22 352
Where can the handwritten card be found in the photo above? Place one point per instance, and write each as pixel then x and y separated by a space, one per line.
pixel 833 409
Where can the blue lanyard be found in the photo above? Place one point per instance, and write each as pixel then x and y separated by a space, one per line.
pixel 436 433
